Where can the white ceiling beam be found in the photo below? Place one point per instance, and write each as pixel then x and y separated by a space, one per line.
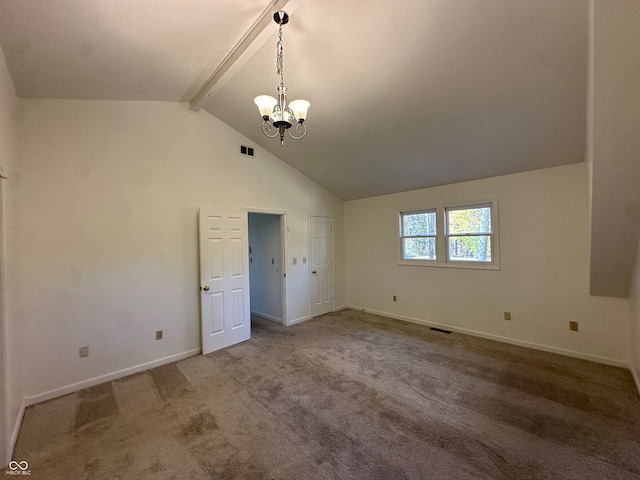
pixel 249 44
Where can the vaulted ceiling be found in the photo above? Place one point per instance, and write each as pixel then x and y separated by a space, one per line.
pixel 404 95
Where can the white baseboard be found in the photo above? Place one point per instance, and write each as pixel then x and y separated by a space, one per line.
pixel 309 317
pixel 74 387
pixel 512 341
pixel 300 319
pixel 268 317
pixel 636 377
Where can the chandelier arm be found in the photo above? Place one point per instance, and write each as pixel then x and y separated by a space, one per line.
pixel 301 129
pixel 266 128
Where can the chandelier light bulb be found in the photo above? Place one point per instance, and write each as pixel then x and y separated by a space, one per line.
pixel 299 109
pixel 265 104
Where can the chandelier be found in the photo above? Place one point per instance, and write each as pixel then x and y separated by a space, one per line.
pixel 276 114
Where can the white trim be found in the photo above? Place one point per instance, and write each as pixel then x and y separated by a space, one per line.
pixel 327 215
pixel 284 261
pixel 16 429
pixel 74 387
pixel 268 317
pixel 252 40
pixel 634 374
pixel 520 343
pixel 269 211
pixel 194 112
pixel 442 235
pixel 341 307
pixel 300 319
pixel 4 364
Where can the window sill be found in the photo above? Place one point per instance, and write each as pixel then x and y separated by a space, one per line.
pixel 435 263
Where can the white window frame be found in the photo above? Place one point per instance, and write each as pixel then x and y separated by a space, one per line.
pixel 442 237
pixel 403 236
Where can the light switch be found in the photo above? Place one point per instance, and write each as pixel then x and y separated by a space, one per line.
pixel 295 260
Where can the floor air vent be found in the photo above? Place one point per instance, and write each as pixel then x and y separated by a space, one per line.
pixel 246 151
pixel 440 330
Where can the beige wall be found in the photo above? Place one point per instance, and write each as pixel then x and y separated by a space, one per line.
pixel 635 321
pixel 11 397
pixel 544 276
pixel 614 148
pixel 109 194
pixel 613 155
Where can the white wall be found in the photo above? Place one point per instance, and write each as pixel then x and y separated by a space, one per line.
pixel 265 267
pixel 544 276
pixel 615 144
pixel 10 399
pixel 107 232
pixel 613 152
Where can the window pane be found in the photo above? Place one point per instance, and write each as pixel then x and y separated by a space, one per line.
pixel 469 220
pixel 418 224
pixel 470 249
pixel 419 248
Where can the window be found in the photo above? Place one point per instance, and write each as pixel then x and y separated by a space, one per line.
pixel 418 231
pixel 463 236
pixel 469 234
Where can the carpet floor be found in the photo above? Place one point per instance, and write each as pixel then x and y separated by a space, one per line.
pixel 348 395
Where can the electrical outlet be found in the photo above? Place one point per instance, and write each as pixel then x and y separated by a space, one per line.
pixel 395 299
pixel 573 326
pixel 84 352
pixel 507 315
pixel 158 334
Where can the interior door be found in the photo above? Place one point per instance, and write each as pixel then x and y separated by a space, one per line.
pixel 224 279
pixel 321 265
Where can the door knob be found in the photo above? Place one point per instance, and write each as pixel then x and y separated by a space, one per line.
pixel 314 272
pixel 205 288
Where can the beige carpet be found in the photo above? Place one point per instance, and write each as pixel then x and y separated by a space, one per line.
pixel 346 396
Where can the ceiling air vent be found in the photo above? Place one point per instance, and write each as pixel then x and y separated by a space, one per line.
pixel 246 151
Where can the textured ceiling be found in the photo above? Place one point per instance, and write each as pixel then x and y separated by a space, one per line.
pixel 119 49
pixel 404 95
pixel 424 93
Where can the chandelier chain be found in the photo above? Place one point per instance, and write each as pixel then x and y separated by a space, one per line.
pixel 277 116
pixel 279 55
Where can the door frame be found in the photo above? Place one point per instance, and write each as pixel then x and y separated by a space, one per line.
pixel 5 430
pixel 283 253
pixel 332 287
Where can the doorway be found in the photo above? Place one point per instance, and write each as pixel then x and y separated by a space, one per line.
pixel 266 266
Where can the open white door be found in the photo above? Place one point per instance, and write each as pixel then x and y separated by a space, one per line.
pixel 322 265
pixel 224 278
